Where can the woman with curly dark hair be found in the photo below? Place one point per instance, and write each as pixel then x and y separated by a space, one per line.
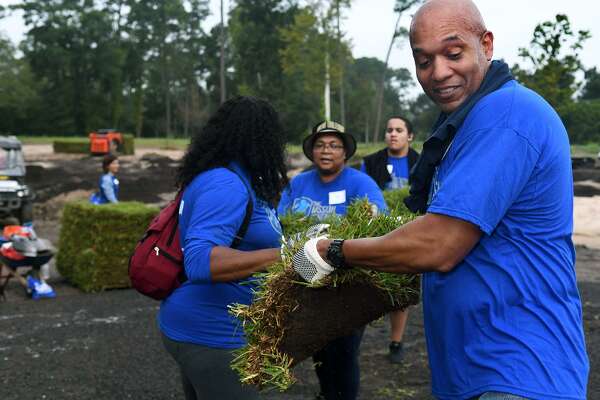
pixel 231 175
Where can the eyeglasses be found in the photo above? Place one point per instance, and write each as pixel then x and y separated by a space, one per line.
pixel 331 146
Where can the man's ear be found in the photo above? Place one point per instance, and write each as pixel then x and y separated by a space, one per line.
pixel 487 42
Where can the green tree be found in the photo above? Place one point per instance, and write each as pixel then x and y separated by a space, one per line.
pixel 400 8
pixel 591 90
pixel 423 113
pixel 18 90
pixel 313 60
pixel 71 47
pixel 363 78
pixel 554 55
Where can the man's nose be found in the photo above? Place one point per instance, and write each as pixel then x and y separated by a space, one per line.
pixel 441 70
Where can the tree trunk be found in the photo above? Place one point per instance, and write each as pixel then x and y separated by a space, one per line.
pixel 139 111
pixel 382 82
pixel 222 61
pixel 401 6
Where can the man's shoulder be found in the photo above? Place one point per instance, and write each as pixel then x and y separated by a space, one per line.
pixel 515 107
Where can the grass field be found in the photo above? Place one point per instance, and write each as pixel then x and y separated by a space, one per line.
pixel 579 150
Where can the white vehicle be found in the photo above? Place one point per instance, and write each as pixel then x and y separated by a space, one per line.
pixel 16 198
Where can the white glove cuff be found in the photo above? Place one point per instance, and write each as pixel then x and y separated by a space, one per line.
pixel 309 264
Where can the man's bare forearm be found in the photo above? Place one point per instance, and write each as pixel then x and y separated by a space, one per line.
pixel 429 243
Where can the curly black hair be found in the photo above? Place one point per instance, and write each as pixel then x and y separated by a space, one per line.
pixel 245 129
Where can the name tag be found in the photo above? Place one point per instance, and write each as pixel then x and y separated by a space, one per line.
pixel 390 168
pixel 338 197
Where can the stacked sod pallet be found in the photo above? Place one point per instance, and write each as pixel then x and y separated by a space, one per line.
pixel 96 241
pixel 289 319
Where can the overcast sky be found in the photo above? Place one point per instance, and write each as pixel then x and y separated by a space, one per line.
pixel 370 24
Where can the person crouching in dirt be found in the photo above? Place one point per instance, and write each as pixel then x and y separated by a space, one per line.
pixel 231 176
pixel 328 189
pixel 390 169
pixel 109 184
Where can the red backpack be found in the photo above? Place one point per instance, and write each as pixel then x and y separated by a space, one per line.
pixel 156 265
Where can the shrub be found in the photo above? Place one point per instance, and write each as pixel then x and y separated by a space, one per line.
pixel 71 146
pixel 128 144
pixel 96 241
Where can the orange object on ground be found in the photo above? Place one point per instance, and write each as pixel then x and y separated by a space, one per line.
pixel 104 141
pixel 10 230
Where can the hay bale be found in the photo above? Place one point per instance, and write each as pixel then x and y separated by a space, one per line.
pixel 72 146
pixel 289 319
pixel 96 241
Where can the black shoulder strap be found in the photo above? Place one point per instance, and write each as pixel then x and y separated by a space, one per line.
pixel 249 210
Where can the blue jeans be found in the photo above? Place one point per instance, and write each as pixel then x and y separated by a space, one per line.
pixel 337 367
pixel 500 396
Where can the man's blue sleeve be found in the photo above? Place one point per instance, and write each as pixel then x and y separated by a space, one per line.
pixel 484 177
pixel 107 188
pixel 286 200
pixel 218 211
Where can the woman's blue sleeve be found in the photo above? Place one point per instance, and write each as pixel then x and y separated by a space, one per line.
pixel 216 212
pixel 106 185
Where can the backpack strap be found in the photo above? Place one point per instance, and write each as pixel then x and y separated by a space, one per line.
pixel 249 210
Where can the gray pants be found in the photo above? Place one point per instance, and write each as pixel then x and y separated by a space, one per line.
pixel 206 374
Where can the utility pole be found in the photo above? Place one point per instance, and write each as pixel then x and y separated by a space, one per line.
pixel 342 65
pixel 327 89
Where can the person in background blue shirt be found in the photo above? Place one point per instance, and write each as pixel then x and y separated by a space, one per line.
pixel 503 316
pixel 325 190
pixel 109 184
pixel 390 168
pixel 237 157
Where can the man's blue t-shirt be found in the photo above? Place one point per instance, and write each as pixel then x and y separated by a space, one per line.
pixel 211 213
pixel 398 169
pixel 508 317
pixel 307 194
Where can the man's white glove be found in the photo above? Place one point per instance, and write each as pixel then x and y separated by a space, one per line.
pixel 312 232
pixel 309 264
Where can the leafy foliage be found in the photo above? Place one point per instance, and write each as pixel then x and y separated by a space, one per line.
pixel 553 74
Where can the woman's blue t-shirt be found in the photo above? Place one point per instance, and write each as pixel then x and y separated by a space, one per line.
pixel 211 213
pixel 307 194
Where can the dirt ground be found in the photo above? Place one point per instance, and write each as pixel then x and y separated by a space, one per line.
pixel 106 346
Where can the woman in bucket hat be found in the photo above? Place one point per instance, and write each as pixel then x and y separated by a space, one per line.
pixel 324 190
